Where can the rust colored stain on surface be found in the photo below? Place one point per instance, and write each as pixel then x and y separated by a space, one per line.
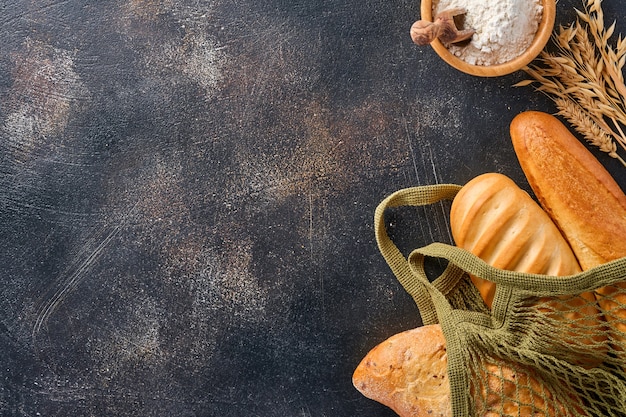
pixel 187 195
pixel 45 89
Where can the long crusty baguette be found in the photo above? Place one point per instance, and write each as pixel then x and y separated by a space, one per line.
pixel 408 373
pixel 580 196
pixel 573 187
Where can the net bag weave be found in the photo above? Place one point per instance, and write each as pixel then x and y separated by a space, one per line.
pixel 541 350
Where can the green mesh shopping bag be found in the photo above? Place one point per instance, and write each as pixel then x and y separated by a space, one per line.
pixel 541 350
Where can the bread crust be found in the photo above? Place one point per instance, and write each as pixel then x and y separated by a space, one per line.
pixel 501 224
pixel 582 198
pixel 408 373
pixel 572 186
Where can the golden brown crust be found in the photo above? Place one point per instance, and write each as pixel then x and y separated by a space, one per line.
pixel 517 391
pixel 500 223
pixel 408 373
pixel 578 193
pixel 582 198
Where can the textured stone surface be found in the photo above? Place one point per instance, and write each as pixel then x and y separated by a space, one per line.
pixel 187 195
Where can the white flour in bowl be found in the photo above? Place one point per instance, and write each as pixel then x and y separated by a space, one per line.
pixel 504 28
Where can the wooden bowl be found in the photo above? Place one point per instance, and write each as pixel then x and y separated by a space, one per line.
pixel 541 39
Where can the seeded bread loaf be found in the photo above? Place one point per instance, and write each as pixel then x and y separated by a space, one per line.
pixel 408 373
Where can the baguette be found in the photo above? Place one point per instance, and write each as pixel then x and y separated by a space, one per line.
pixel 581 197
pixel 573 187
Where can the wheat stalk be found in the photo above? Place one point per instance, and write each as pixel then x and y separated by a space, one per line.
pixel 587 127
pixel 584 79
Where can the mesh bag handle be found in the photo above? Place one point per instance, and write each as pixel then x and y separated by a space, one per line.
pixel 418 289
pixel 531 350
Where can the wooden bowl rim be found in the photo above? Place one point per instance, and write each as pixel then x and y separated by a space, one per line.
pixel 541 39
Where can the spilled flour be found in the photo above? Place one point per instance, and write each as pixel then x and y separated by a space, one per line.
pixel 504 28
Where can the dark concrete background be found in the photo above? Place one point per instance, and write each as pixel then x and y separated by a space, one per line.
pixel 187 197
